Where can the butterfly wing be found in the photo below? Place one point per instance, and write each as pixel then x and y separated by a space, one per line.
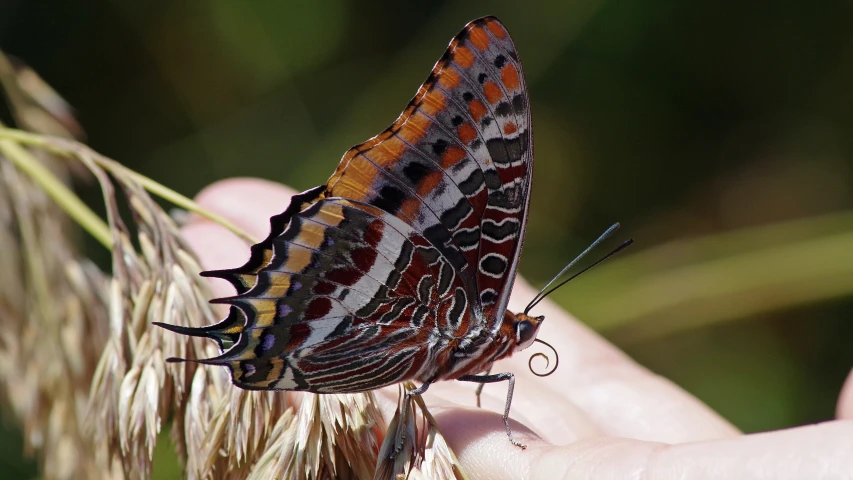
pixel 406 257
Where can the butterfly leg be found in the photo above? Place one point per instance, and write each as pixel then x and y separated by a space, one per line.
pixel 420 390
pixel 407 404
pixel 479 390
pixel 499 377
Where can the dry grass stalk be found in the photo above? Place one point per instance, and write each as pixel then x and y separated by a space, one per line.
pixel 52 300
pixel 83 369
pixel 414 447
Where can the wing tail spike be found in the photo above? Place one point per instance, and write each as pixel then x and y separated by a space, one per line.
pixel 228 329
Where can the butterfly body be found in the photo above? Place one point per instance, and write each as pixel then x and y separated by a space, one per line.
pixel 400 267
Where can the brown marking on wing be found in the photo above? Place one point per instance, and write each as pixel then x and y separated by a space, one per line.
pixel 433 102
pixel 452 156
pixel 415 128
pixel 479 38
pixel 496 29
pixel 477 110
pixel 429 183
pixel 467 133
pixel 493 92
pixel 448 78
pixel 463 57
pixel 509 76
pixel 389 151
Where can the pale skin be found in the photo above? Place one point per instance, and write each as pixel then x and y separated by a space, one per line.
pixel 600 416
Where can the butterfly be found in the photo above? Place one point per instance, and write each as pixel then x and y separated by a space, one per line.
pixel 401 266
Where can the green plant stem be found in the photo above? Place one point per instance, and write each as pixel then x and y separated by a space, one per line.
pixel 58 191
pixel 68 148
pixel 181 201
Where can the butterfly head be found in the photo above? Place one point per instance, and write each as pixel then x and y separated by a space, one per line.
pixel 526 329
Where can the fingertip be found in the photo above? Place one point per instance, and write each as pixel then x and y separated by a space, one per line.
pixel 217 248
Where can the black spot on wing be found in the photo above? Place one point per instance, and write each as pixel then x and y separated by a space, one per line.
pixel 488 297
pixel 415 172
pixel 493 264
pixel 473 183
pixel 499 232
pixel 493 179
pixel 445 278
pixel 467 239
pixel 504 109
pixel 390 199
pixel 342 329
pixel 519 104
pixel 419 315
pixel 425 287
pixel 454 315
pixel 504 151
pixel 439 146
pixel 399 305
pixel 456 214
pixel 430 255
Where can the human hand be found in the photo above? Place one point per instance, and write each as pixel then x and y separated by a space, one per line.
pixel 599 416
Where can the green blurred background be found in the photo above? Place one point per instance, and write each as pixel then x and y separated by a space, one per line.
pixel 717 132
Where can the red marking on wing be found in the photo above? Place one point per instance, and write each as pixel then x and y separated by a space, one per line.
pixel 343 275
pixel 363 258
pixel 323 288
pixel 317 308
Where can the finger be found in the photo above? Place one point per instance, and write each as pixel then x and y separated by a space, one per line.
pixel 549 415
pixel 845 400
pixel 817 451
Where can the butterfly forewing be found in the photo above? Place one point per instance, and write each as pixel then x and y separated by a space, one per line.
pixel 401 266
pixel 457 163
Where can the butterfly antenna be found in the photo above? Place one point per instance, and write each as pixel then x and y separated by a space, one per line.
pixel 604 236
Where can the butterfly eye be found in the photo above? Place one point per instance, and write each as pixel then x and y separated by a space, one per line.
pixel 525 332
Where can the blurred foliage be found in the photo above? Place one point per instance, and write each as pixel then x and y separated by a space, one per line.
pixel 718 133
